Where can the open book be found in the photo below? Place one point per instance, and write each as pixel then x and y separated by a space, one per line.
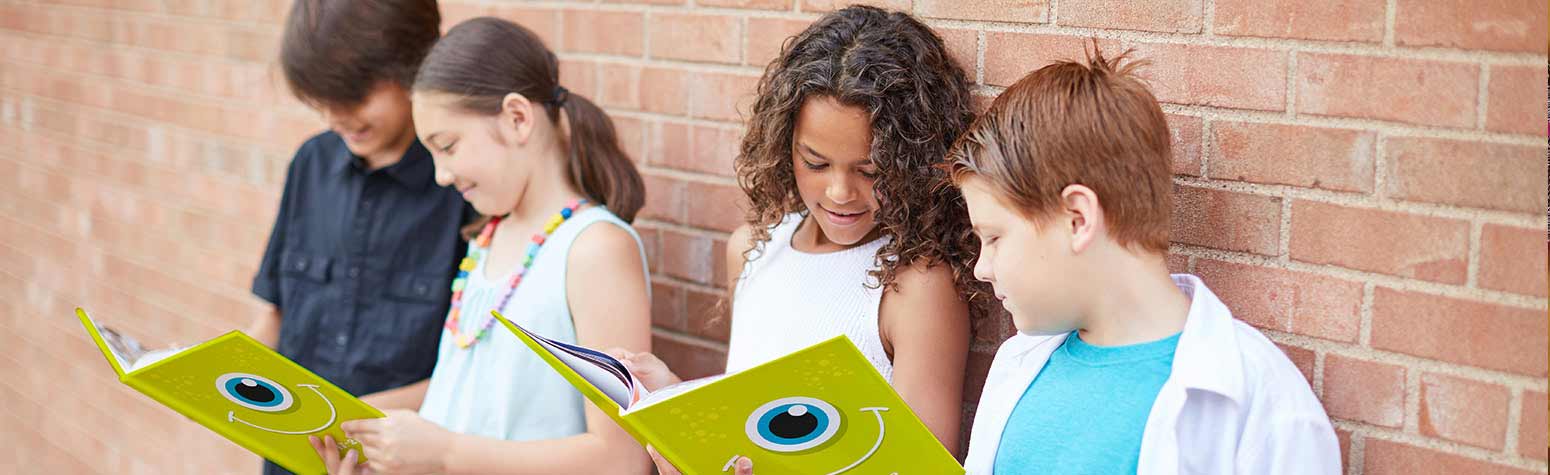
pixel 240 389
pixel 821 410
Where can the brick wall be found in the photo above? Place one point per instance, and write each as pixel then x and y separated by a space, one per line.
pixel 1361 180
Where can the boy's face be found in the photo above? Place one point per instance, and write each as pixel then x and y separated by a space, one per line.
pixel 1031 265
pixel 380 123
pixel 831 160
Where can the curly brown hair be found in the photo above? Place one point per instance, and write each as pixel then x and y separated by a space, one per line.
pixel 898 70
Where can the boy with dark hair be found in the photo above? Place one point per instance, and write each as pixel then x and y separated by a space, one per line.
pixel 1117 366
pixel 365 243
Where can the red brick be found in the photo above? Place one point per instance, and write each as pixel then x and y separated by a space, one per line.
pixel 695 148
pixel 1312 20
pixel 632 137
pixel 695 37
pixel 669 91
pixel 1226 220
pixel 1185 134
pixel 1364 391
pixel 757 4
pixel 1313 157
pixel 606 32
pixel 717 207
pixel 687 257
pixel 651 2
pixel 1303 358
pixel 1479 334
pixel 963 46
pixel 667 306
pixel 1178 264
pixel 766 36
pixel 708 315
pixel 1473 174
pixel 1512 260
pixel 664 198
pixel 454 13
pixel 1531 428
pixel 1516 99
pixel 1239 78
pixel 1288 301
pixel 542 21
pixel 1401 90
pixel 1170 16
pixel 580 77
pixel 620 86
pixel 1462 410
pixel 1405 245
pixel 1502 25
pixel 689 359
pixel 1010 56
pixel 725 97
pixel 1384 457
pixel 830 5
pixel 1021 11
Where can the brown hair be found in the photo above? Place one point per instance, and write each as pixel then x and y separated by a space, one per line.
pixel 898 70
pixel 483 59
pixel 1092 123
pixel 334 51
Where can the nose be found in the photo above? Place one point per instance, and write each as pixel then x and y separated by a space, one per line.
pixel 840 190
pixel 444 176
pixel 982 269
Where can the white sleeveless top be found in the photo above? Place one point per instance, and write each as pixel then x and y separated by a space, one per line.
pixel 499 388
pixel 787 300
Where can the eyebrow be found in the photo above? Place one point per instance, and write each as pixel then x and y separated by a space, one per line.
pixel 809 150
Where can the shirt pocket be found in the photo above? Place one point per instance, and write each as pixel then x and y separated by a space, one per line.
pixel 305 266
pixel 407 334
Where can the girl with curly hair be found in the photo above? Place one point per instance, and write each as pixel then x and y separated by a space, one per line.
pixel 848 231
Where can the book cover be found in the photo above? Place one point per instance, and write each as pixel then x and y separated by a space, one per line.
pixel 240 389
pixel 820 410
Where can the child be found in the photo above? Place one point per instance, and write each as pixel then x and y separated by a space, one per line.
pixel 363 243
pixel 559 258
pixel 846 234
pixel 1117 368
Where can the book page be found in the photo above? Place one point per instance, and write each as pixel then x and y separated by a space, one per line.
pixel 604 372
pixel 666 393
pixel 130 353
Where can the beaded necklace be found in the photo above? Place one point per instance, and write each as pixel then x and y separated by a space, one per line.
pixel 479 248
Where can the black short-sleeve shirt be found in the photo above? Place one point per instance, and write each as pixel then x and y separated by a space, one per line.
pixel 360 263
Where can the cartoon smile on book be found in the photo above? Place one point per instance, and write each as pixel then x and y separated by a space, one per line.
pixel 794 425
pixel 259 394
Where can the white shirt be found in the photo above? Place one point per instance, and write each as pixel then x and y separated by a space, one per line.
pixel 1233 403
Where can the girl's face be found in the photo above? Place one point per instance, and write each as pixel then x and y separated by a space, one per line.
pixel 831 158
pixel 379 124
pixel 487 158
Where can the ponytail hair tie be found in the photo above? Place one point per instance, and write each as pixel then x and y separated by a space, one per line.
pixel 560 95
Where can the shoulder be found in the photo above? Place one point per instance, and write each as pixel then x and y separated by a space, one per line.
pixel 919 284
pixel 739 242
pixel 605 241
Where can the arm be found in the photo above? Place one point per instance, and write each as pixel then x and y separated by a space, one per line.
pixel 408 396
pixel 925 324
pixel 737 243
pixel 607 291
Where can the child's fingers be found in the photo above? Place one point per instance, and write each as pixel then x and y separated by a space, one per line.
pixel 663 466
pixel 347 466
pixel 744 466
pixel 330 452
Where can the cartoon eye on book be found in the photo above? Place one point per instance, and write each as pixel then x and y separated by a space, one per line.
pixel 821 410
pixel 240 389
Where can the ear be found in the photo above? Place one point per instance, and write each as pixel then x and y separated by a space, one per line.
pixel 1083 216
pixel 516 118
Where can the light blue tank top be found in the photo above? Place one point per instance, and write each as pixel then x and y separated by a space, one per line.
pixel 499 388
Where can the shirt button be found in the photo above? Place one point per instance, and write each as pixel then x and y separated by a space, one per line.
pixel 355 272
pixel 341 339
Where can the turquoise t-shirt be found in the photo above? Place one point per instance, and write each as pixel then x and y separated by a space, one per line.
pixel 1086 410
